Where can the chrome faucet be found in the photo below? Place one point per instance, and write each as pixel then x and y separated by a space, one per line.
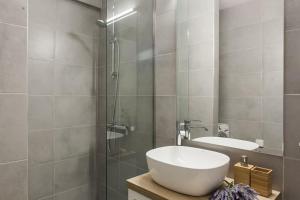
pixel 184 130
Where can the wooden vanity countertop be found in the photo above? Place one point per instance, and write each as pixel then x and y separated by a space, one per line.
pixel 144 185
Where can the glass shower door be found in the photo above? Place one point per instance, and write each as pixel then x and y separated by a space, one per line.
pixel 129 80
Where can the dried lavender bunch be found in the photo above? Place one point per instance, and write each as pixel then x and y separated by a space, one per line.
pixel 235 192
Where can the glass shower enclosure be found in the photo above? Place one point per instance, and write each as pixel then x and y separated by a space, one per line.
pixel 125 101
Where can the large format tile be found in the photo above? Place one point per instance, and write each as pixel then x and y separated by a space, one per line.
pixel 165 41
pixel 246 61
pixel 74 80
pixel 241 85
pixel 292 14
pixel 40 77
pixel 14 12
pixel 74 111
pixel 12 58
pixel 41 147
pixel 292 61
pixel 201 29
pixel 73 142
pixel 201 56
pixel 244 14
pixel 13 127
pixel 81 193
pixel 273 109
pixel 273 83
pixel 241 108
pixel 71 173
pixel 40 112
pixel 42 12
pixel 201 108
pixel 165 116
pixel 77 18
pixel 273 136
pixel 163 6
pixel 13 181
pixel 291 179
pixel 273 57
pixel 41 42
pixel 165 73
pixel 196 7
pixel 74 49
pixel 245 130
pixel 128 78
pixel 145 77
pixel 273 32
pixel 201 83
pixel 40 181
pixel 272 9
pixel 248 37
pixel 291 128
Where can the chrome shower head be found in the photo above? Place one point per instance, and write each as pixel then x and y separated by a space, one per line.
pixel 101 23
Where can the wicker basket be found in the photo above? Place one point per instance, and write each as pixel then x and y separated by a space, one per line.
pixel 261 181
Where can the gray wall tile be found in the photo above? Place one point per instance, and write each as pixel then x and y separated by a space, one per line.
pixel 292 117
pixel 244 14
pixel 41 147
pixel 201 108
pixel 13 181
pixel 201 56
pixel 71 173
pixel 80 193
pixel 42 12
pixel 163 6
pixel 40 181
pixel 74 111
pixel 74 49
pixel 241 85
pixel 273 109
pixel 165 74
pixel 74 80
pixel 128 78
pixel 291 179
pixel 13 127
pixel 73 142
pixel 251 60
pixel 40 112
pixel 40 77
pixel 292 19
pixel 12 57
pixel 14 12
pixel 69 19
pixel 241 108
pixel 41 42
pixel 292 61
pixel 165 107
pixel 165 33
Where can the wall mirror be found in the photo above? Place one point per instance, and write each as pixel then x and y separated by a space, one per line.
pixel 230 73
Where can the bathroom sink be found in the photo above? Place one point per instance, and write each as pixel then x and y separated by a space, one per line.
pixel 187 170
pixel 229 142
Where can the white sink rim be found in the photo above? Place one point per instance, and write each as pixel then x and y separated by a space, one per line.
pixel 229 142
pixel 196 174
pixel 150 154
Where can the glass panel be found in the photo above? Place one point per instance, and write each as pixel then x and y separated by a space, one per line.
pixel 230 73
pixel 129 75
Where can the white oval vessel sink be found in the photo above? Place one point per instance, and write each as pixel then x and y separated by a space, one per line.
pixel 187 170
pixel 229 142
